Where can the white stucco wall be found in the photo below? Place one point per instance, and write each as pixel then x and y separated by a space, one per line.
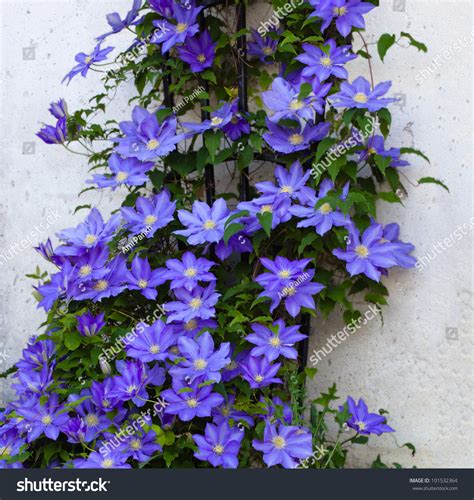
pixel 418 364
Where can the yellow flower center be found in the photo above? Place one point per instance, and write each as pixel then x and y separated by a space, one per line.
pixel 289 291
pixel 200 364
pixel 279 442
pixel 107 463
pixel 192 402
pixel 285 273
pixel 325 208
pixel 275 342
pixel 296 104
pixel 150 220
pixel 201 58
pixel 90 239
pixel 286 189
pixel 135 444
pixel 121 176
pixel 142 283
pixel 296 139
pixel 152 144
pixel 190 325
pixel 266 208
pixel 361 98
pixel 326 61
pixel 216 121
pixel 209 224
pixel 218 449
pixel 384 240
pixel 46 420
pixel 85 270
pixel 340 11
pixel 195 303
pixel 92 420
pixel 362 251
pixel 361 426
pixel 225 412
pixel 258 378
pixel 180 27
pixel 101 285
pixel 267 51
pixel 371 151
pixel 88 59
pixel 190 272
pixel 154 349
pixel 131 388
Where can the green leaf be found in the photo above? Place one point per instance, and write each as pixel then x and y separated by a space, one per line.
pixel 72 340
pixel 415 43
pixel 390 197
pixel 324 146
pixel 432 180
pixel 231 230
pixel 414 152
pixel 305 90
pixel 266 220
pixel 212 141
pixel 305 241
pixel 382 162
pixel 209 75
pixel 384 43
pixel 410 447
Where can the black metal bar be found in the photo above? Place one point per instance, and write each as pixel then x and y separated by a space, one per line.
pixel 209 180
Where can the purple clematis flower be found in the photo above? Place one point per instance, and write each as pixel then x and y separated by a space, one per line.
pixel 359 95
pixel 262 47
pixel 238 243
pixel 47 252
pixel 150 214
pixel 201 361
pixel 90 265
pixel 117 24
pixel 145 138
pixel 258 372
pixel 324 217
pixel 37 354
pixel 324 64
pixel 140 446
pixel 93 231
pixel 367 254
pixel 188 272
pixel 219 446
pixel 125 171
pixel 114 460
pixel 364 422
pixel 56 134
pixel 283 99
pixel 132 381
pixel 227 411
pixel 376 146
pixel 192 327
pixel 142 278
pixel 48 418
pixel 291 183
pixel 170 34
pixel 205 223
pixel 219 119
pixel 288 280
pixel 283 445
pixel 85 61
pixel 153 344
pixel 237 125
pixel 95 421
pixel 190 401
pixel 234 368
pixel 289 140
pixel 90 325
pixel 101 395
pixel 163 7
pixel 198 52
pixel 10 443
pixel 277 205
pixel 198 303
pixel 112 283
pixel 275 342
pixel 348 13
pixel 390 234
pixel 34 382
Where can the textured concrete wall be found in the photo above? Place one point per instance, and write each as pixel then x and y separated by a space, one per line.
pixel 417 364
